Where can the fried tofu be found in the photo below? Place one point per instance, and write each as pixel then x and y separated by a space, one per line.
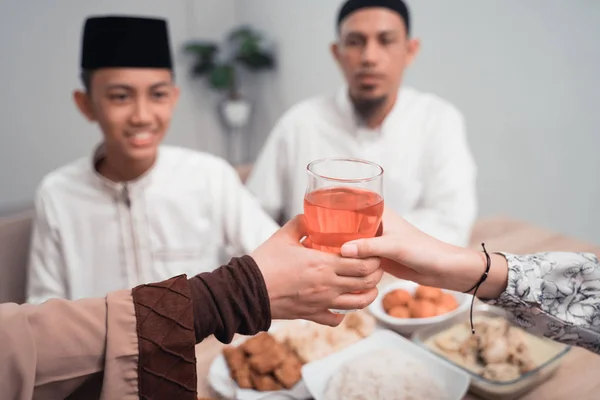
pixel 289 372
pixel 235 357
pixel 258 343
pixel 243 377
pixel 263 363
pixel 269 359
pixel 264 383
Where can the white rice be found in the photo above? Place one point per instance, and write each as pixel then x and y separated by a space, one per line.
pixel 387 374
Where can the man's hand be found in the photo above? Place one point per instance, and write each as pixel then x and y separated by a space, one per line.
pixel 304 283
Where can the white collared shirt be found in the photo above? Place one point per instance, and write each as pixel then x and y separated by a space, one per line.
pixel 429 173
pixel 93 236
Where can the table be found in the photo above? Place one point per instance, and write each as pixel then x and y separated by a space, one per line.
pixel 577 378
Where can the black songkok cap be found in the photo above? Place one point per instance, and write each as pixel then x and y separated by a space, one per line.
pixel 397 6
pixel 131 42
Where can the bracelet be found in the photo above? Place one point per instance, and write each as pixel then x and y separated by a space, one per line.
pixel 475 288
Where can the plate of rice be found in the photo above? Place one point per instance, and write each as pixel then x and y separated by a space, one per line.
pixel 384 366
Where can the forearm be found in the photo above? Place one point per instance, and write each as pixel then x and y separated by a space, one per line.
pixel 49 350
pixel 556 295
pixel 174 315
pixel 232 299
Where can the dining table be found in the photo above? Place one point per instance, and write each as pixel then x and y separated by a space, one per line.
pixel 576 378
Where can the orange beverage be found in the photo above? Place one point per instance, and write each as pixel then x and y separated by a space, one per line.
pixel 343 202
pixel 337 215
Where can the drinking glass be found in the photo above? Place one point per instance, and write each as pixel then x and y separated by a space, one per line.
pixel 343 202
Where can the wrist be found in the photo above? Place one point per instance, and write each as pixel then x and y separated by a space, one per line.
pixel 463 268
pixel 497 280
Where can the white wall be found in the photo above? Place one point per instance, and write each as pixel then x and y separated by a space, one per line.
pixel 525 74
pixel 40 128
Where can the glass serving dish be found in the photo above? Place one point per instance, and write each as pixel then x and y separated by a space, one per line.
pixel 548 356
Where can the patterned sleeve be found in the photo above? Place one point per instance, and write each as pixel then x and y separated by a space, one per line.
pixel 556 295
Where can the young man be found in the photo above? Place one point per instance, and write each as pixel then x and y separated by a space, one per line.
pixel 419 139
pixel 135 211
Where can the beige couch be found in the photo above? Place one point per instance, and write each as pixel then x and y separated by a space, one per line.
pixel 15 233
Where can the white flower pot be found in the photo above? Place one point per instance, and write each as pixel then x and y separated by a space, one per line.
pixel 236 113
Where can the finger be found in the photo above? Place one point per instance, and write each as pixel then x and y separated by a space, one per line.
pixel 326 318
pixel 356 268
pixel 379 230
pixel 382 246
pixel 348 285
pixel 307 243
pixel 354 301
pixel 295 229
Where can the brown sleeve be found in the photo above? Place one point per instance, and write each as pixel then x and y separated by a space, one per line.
pixel 165 328
pixel 174 315
pixel 232 299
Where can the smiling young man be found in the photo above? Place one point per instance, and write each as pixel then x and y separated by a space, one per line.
pixel 135 211
pixel 418 138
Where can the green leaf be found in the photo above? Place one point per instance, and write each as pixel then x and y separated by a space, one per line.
pixel 257 61
pixel 243 33
pixel 221 77
pixel 249 46
pixel 202 49
pixel 202 67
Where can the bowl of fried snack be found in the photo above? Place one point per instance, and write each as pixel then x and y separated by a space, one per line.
pixel 503 360
pixel 264 364
pixel 270 363
pixel 405 306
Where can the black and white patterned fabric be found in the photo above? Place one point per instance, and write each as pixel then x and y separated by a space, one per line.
pixel 556 295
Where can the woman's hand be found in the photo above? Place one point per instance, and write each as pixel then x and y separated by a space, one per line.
pixel 411 254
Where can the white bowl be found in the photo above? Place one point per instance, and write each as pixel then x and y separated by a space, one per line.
pixel 316 375
pixel 407 326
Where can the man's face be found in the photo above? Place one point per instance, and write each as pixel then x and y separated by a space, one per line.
pixel 373 50
pixel 133 107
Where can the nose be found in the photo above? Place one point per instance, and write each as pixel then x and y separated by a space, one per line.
pixel 141 114
pixel 371 53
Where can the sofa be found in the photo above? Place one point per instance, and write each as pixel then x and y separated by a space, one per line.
pixel 15 234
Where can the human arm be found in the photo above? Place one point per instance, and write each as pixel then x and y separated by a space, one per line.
pixel 140 343
pixel 51 350
pixel 448 206
pixel 46 276
pixel 556 295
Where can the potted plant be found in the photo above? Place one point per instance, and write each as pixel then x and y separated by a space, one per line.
pixel 244 48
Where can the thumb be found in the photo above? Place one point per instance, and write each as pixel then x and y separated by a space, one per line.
pixel 295 229
pixel 372 247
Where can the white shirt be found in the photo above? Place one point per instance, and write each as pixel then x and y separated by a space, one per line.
pixel 93 236
pixel 429 171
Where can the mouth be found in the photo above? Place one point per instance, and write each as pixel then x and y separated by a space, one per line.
pixel 140 139
pixel 368 78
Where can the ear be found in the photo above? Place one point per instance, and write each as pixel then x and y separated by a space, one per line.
pixel 413 47
pixel 335 51
pixel 84 104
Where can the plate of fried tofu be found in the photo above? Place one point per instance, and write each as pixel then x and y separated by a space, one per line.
pixel 256 368
pixel 269 365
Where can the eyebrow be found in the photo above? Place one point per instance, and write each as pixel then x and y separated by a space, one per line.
pixel 129 87
pixel 379 33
